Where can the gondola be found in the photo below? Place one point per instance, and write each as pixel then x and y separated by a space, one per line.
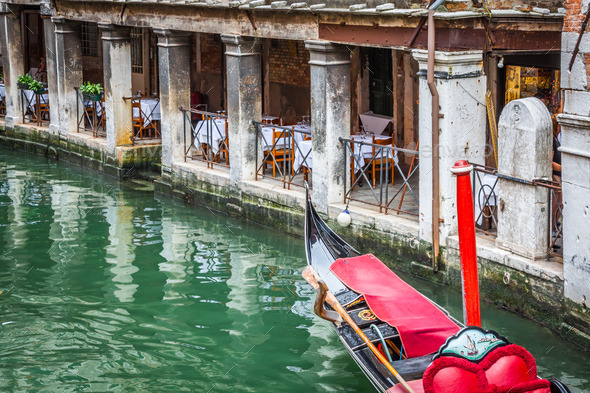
pixel 411 344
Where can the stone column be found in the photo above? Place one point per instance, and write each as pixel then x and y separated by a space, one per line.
pixel 68 50
pixel 174 68
pixel 524 152
pixel 575 161
pixel 244 103
pixel 51 65
pixel 461 85
pixel 116 49
pixel 11 45
pixel 330 119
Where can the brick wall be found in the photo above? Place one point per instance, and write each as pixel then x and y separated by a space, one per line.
pixel 289 63
pixel 211 54
pixel 573 16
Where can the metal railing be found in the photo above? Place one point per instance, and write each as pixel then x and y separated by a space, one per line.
pixel 362 157
pixel 485 201
pixel 485 189
pixel 90 114
pixel 208 140
pixel 34 107
pixel 145 117
pixel 286 149
pixel 555 212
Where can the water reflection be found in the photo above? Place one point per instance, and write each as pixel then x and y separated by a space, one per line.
pixel 114 290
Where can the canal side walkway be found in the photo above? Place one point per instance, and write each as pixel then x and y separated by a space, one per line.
pixel 531 288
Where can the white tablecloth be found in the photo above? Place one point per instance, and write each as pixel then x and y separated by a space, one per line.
pixel 267 138
pixel 90 104
pixel 2 92
pixel 375 123
pixel 488 188
pixel 303 152
pixel 271 119
pixel 32 101
pixel 150 109
pixel 210 132
pixel 362 152
pixel 301 127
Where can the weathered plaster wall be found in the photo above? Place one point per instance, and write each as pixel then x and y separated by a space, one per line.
pixel 575 148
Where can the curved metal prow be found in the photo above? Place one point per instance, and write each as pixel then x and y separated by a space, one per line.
pixel 319 309
pixel 322 290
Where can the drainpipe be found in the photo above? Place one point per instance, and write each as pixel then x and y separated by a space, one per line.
pixel 435 151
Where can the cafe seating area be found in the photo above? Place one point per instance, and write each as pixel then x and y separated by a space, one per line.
pixel 380 173
pixel 206 137
pixel 35 106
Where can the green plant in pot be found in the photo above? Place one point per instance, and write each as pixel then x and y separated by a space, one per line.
pixel 37 87
pixel 91 91
pixel 23 81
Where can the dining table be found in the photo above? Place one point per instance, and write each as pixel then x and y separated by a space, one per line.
pixel 375 123
pixel 285 140
pixel 32 101
pixel 210 132
pixel 150 109
pixel 271 119
pixel 303 156
pixel 96 105
pixel 363 152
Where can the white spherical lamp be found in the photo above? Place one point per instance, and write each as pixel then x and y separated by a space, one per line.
pixel 344 218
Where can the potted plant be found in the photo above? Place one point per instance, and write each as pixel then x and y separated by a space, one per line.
pixel 23 81
pixel 91 91
pixel 36 87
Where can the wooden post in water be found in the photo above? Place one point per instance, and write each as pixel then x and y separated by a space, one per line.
pixel 470 284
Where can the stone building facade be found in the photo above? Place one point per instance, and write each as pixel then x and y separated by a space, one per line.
pixel 575 150
pixel 332 61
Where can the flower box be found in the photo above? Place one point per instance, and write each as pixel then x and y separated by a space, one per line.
pixel 92 97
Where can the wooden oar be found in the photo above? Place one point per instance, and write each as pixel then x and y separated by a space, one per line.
pixel 313 279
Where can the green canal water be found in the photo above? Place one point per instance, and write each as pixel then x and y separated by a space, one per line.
pixel 108 288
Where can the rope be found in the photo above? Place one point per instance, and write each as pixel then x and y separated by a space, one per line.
pixel 376 329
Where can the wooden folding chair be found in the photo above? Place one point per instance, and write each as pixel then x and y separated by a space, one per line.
pixel 139 122
pixel 381 160
pixel 276 155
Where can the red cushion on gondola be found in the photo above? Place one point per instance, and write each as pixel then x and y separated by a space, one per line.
pixel 508 369
pixel 509 365
pixel 422 326
pixel 454 375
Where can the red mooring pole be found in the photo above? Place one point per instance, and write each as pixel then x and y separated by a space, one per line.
pixel 466 221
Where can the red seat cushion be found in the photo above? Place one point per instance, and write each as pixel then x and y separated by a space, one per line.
pixel 510 368
pixel 509 365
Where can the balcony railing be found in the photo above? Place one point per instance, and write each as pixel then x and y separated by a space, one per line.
pixel 35 107
pixel 207 138
pixel 286 151
pixel 145 117
pixel 366 162
pixel 91 114
pixel 486 197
